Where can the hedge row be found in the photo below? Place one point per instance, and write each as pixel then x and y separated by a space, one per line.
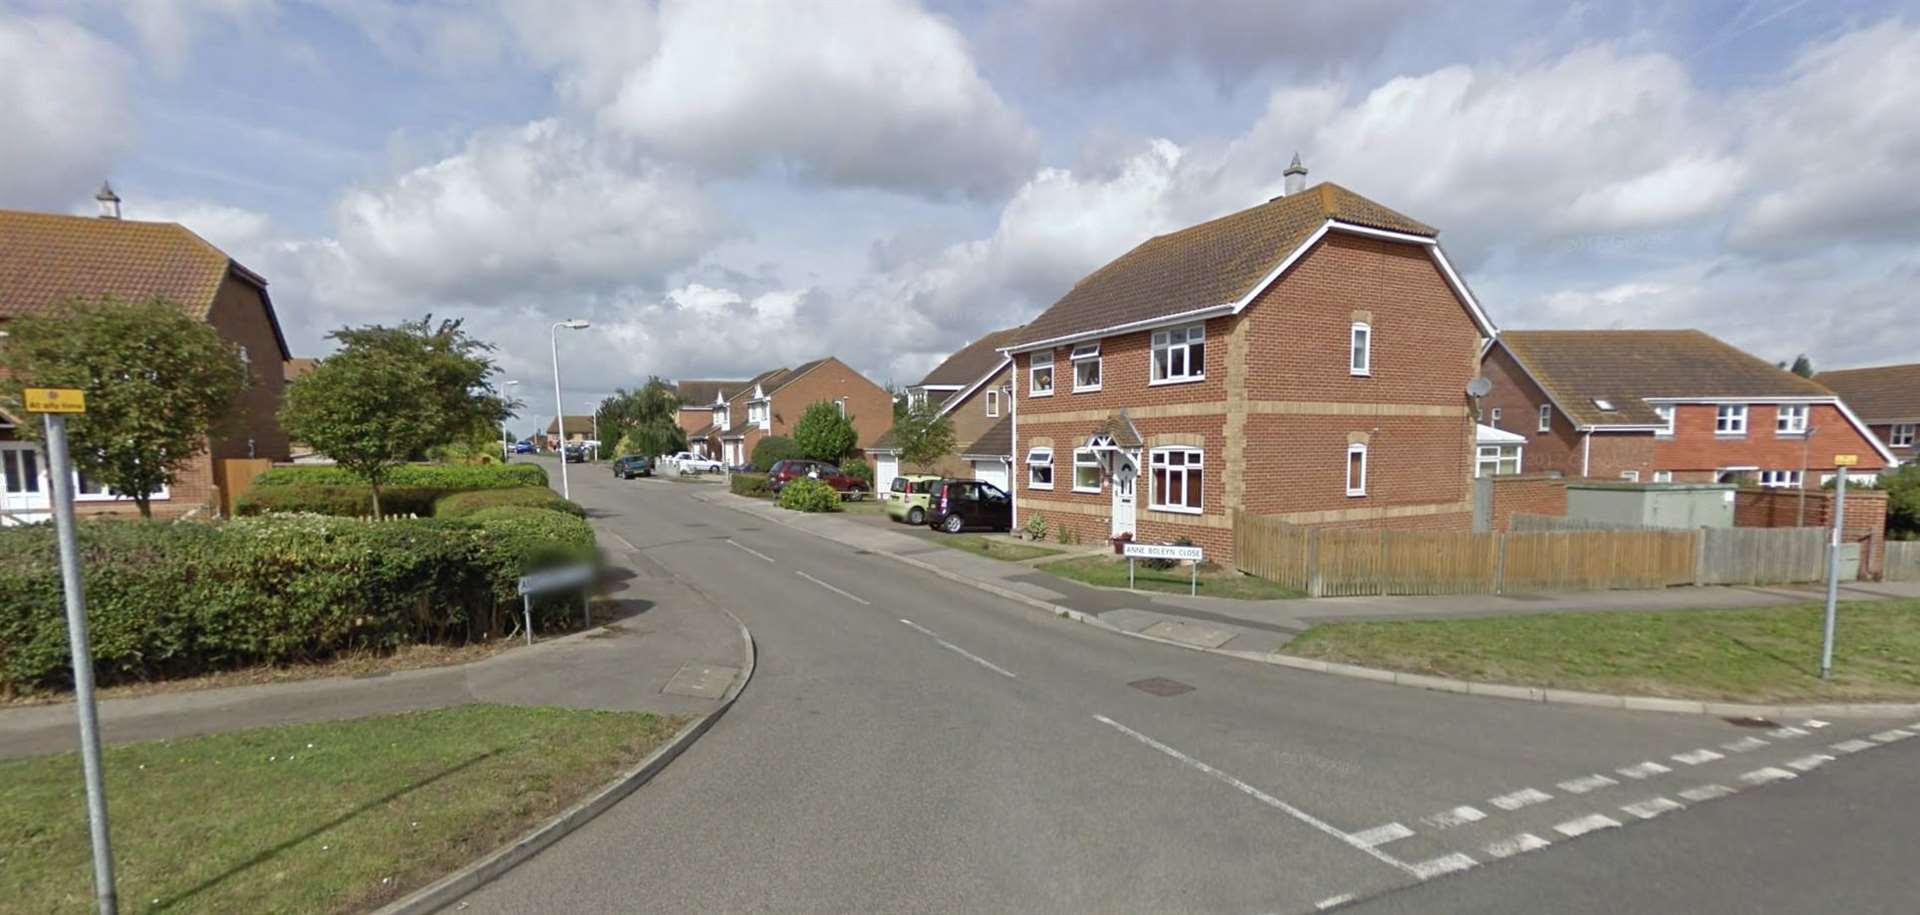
pixel 462 504
pixel 178 599
pixel 447 477
pixel 749 484
pixel 343 501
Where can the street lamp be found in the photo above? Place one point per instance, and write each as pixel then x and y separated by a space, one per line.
pixel 559 406
pixel 506 437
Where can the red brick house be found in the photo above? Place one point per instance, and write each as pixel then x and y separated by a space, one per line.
pixel 579 429
pixel 1306 358
pixel 772 402
pixel 728 401
pixel 696 403
pixel 1887 399
pixel 973 388
pixel 48 259
pixel 1663 406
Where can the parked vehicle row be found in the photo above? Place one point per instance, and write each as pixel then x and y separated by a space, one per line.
pixel 847 485
pixel 949 505
pixel 688 462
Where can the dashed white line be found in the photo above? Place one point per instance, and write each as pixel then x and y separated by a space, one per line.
pixel 748 550
pixel 1768 774
pixel 852 597
pixel 1705 793
pixel 1585 784
pixel 1524 842
pixel 1259 795
pixel 1893 735
pixel 1743 745
pixel 1445 864
pixel 1382 834
pixel 1809 763
pixel 1458 816
pixel 983 662
pixel 1652 807
pixel 1522 798
pixel 1786 732
pixel 1332 901
pixel 1586 824
pixel 1646 769
pixel 1696 757
pixel 1852 746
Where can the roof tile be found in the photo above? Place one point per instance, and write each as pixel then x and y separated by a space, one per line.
pixel 1883 394
pixel 1623 367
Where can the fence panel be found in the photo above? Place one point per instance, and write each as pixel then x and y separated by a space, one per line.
pixel 1903 560
pixel 1271 549
pixel 1761 556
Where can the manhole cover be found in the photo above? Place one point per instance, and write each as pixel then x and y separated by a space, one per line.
pixel 1161 686
pixel 1750 722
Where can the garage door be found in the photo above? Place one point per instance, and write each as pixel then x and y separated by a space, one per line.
pixel 994 472
pixel 885 468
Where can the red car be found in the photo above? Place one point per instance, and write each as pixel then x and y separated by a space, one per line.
pixel 848 486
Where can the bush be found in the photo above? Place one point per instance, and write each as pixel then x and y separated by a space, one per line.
pixel 749 484
pixel 808 495
pixel 859 467
pixel 526 539
pixel 772 450
pixel 462 504
pixel 1036 527
pixel 447 477
pixel 350 501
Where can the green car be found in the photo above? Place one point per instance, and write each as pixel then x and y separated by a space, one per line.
pixel 907 497
pixel 631 466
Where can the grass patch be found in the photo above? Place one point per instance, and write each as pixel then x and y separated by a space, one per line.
pixel 1761 654
pixel 996 547
pixel 867 506
pixel 332 817
pixel 1112 573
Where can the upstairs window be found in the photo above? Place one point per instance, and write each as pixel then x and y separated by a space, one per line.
pixel 1086 367
pixel 1546 417
pixel 1790 419
pixel 1178 479
pixel 1663 476
pixel 1180 354
pixel 1360 349
pixel 1356 470
pixel 1494 418
pixel 1040 468
pixel 1780 479
pixel 1631 476
pixel 1040 374
pixel 1902 435
pixel 1665 411
pixel 1730 419
pixel 1086 470
pixel 993 402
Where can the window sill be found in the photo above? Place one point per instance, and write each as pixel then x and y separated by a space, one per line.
pixel 1166 381
pixel 1790 435
pixel 1036 394
pixel 1046 487
pixel 1088 492
pixel 1356 493
pixel 1732 436
pixel 1361 374
pixel 1080 390
pixel 1176 510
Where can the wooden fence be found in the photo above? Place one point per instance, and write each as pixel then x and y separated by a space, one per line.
pixel 1903 560
pixel 1339 563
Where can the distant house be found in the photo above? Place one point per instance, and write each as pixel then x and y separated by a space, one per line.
pixel 696 403
pixel 1668 406
pixel 973 389
pixel 773 402
pixel 1887 399
pixel 579 429
pixel 47 260
pixel 729 401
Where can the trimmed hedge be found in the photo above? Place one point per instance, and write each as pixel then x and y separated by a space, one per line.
pixel 354 501
pixel 178 599
pixel 449 477
pixel 749 484
pixel 462 504
pixel 772 450
pixel 809 495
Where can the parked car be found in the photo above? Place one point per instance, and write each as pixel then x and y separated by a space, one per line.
pixel 633 465
pixel 846 484
pixel 907 497
pixel 574 454
pixel 740 468
pixel 524 447
pixel 688 462
pixel 956 505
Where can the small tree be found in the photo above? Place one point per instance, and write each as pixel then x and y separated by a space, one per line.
pixel 824 433
pixel 647 419
pixel 158 384
pixel 456 371
pixel 923 436
pixel 362 407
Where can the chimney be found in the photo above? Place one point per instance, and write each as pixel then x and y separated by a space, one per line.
pixel 109 201
pixel 1296 177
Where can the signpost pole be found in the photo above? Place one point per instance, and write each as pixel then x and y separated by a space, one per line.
pixel 526 612
pixel 1193 579
pixel 62 473
pixel 1129 573
pixel 1833 566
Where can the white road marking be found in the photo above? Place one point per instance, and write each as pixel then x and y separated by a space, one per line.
pixel 1458 816
pixel 1893 735
pixel 1584 785
pixel 1763 776
pixel 1332 901
pixel 1652 807
pixel 1646 769
pixel 1524 842
pixel 1259 795
pixel 983 662
pixel 1586 824
pixel 1852 746
pixel 1809 763
pixel 1743 745
pixel 1814 723
pixel 1521 798
pixel 852 597
pixel 1786 732
pixel 1696 757
pixel 1381 835
pixel 623 542
pixel 1706 793
pixel 749 550
pixel 1445 864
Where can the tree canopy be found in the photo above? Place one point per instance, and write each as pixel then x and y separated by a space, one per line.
pixel 645 421
pixel 923 435
pixel 158 384
pixel 458 370
pixel 824 433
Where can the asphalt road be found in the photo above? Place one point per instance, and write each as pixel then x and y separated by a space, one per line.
pixel 910 744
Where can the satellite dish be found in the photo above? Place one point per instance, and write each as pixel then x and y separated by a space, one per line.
pixel 1479 387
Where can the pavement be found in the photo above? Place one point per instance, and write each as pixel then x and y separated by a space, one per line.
pixel 915 744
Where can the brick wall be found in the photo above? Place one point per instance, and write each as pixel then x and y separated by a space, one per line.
pixel 692 419
pixel 1519 399
pixel 1532 493
pixel 1694 451
pixel 1865 522
pixel 239 315
pixel 970 418
pixel 869 405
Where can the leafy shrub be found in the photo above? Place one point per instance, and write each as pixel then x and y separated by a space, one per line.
pixel 348 501
pixel 749 484
pixel 462 504
pixel 1036 526
pixel 772 450
pixel 859 467
pixel 526 539
pixel 809 495
pixel 447 477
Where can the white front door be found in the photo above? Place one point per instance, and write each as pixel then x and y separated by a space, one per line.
pixel 26 493
pixel 994 472
pixel 1126 470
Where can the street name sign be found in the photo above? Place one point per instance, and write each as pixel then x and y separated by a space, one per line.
pixel 1163 551
pixel 56 400
pixel 1846 460
pixel 559 579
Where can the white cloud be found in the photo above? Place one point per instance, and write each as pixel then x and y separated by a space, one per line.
pixel 63 111
pixel 168 28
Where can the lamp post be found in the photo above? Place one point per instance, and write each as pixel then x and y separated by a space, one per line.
pixel 559 406
pixel 506 437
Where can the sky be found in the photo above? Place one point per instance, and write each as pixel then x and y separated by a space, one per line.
pixel 726 186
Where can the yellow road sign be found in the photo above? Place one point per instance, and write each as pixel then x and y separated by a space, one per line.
pixel 1845 460
pixel 56 400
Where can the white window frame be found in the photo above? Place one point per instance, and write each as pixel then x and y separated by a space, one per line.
pixel 1663 476
pixel 1361 450
pixel 1790 419
pixel 1194 460
pixel 1631 476
pixel 1036 459
pixel 1666 412
pixel 107 494
pixel 1191 336
pixel 1484 457
pixel 1087 354
pixel 1730 420
pixel 1034 368
pixel 1360 349
pixel 1084 458
pixel 1901 435
pixel 993 402
pixel 1780 479
pixel 841 406
pixel 1493 418
pixel 1546 417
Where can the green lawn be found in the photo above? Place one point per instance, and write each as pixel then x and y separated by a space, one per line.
pixel 1762 654
pixel 871 505
pixel 996 547
pixel 1111 572
pixel 332 817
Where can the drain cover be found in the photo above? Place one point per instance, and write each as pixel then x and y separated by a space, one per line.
pixel 1750 722
pixel 1161 686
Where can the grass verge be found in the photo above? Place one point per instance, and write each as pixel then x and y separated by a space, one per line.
pixel 1112 573
pixel 333 817
pixel 996 547
pixel 1762 654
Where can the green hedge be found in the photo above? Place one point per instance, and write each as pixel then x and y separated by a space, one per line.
pixel 449 477
pixel 343 501
pixel 178 599
pixel 808 495
pixel 772 450
pixel 462 504
pixel 750 483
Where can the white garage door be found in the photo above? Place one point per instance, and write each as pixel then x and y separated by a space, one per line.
pixel 885 468
pixel 994 472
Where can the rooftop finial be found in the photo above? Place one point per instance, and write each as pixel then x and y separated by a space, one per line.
pixel 108 200
pixel 1295 176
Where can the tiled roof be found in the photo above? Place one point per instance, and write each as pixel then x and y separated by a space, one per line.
pixel 745 389
pixel 297 366
pixel 702 393
pixel 702 432
pixel 884 443
pixel 995 442
pixel 580 424
pixel 739 429
pixel 970 362
pixel 1885 393
pixel 782 380
pixel 1213 263
pixel 1120 429
pixel 1622 367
